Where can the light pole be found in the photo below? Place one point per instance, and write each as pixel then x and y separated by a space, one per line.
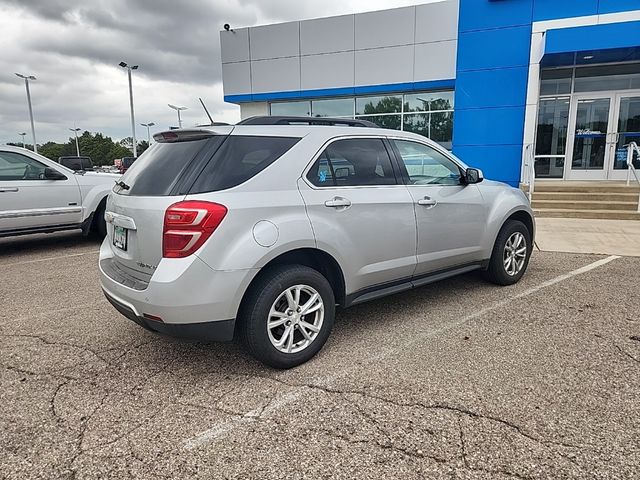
pixel 75 131
pixel 148 125
pixel 33 128
pixel 24 145
pixel 133 122
pixel 178 109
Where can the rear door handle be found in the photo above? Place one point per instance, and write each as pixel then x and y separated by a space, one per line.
pixel 338 202
pixel 427 202
pixel 9 190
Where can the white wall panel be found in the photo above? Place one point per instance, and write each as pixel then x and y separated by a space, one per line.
pixel 384 65
pixel 234 45
pixel 385 28
pixel 435 61
pixel 331 70
pixel 327 35
pixel 236 78
pixel 275 75
pixel 437 21
pixel 275 41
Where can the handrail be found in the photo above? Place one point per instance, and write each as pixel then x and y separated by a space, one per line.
pixel 631 148
pixel 530 171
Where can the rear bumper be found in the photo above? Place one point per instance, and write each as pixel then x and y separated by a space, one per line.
pixel 218 331
pixel 189 297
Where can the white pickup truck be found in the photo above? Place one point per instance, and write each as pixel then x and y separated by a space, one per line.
pixel 38 195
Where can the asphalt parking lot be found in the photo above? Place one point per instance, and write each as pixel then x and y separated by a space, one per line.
pixel 459 379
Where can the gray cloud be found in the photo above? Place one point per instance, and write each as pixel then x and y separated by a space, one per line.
pixel 74 46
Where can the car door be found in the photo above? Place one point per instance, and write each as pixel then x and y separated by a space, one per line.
pixel 450 215
pixel 28 200
pixel 361 213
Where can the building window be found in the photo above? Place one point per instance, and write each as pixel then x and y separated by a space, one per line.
pixel 291 109
pixel 426 113
pixel 551 137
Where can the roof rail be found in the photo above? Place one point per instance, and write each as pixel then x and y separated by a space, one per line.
pixel 278 120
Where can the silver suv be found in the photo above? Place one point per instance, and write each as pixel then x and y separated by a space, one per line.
pixel 261 229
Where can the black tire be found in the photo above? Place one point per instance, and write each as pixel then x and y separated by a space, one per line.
pixel 99 225
pixel 254 314
pixel 497 272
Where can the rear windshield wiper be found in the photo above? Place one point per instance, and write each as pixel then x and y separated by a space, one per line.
pixel 122 185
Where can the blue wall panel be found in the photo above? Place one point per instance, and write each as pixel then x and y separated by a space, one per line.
pixel 496 48
pixel 594 37
pixel 612 6
pixel 492 88
pixel 485 14
pixel 489 126
pixel 552 9
pixel 491 83
pixel 496 161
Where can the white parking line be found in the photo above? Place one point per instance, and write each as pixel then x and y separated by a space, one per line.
pixel 224 427
pixel 46 259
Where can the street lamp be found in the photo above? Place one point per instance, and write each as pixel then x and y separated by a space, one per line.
pixel 24 145
pixel 148 125
pixel 33 128
pixel 178 109
pixel 75 131
pixel 133 122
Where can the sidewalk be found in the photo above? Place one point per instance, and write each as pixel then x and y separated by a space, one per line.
pixel 577 235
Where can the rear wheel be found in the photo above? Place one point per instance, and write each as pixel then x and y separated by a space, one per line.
pixel 99 226
pixel 511 253
pixel 287 316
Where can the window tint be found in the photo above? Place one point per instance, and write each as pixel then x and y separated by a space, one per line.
pixel 159 168
pixel 15 166
pixel 427 166
pixel 353 162
pixel 238 159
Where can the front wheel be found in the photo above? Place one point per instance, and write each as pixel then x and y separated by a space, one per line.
pixel 511 253
pixel 288 315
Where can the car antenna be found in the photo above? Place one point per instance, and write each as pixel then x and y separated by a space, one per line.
pixel 205 110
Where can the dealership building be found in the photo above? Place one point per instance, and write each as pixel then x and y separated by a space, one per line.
pixel 498 82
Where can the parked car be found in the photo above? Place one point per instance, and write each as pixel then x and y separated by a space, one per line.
pixel 77 163
pixel 39 195
pixel 264 229
pixel 126 163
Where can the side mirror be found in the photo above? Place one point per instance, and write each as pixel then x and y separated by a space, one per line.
pixel 51 174
pixel 473 175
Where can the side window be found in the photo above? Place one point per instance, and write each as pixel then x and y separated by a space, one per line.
pixel 238 159
pixel 15 166
pixel 353 162
pixel 426 165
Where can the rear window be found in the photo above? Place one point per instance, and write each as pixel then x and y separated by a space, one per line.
pixel 157 171
pixel 238 159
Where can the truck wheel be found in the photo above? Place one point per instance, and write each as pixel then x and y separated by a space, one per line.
pixel 287 315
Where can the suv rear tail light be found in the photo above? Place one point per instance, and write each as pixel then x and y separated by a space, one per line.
pixel 187 225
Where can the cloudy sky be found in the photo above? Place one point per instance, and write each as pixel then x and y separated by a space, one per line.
pixel 73 47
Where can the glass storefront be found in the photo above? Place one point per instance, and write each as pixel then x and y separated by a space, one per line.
pixel 586 117
pixel 426 113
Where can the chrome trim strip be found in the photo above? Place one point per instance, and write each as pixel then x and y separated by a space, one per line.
pixel 39 213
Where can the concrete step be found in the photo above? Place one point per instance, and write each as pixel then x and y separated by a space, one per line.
pixel 571 213
pixel 594 187
pixel 585 205
pixel 587 196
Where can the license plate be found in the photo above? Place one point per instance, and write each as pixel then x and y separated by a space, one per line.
pixel 120 237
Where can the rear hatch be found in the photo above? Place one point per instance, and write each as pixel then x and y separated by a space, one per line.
pixel 157 179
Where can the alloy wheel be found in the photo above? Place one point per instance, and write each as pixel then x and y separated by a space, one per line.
pixel 295 319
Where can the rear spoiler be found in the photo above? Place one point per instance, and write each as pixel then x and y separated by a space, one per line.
pixel 174 136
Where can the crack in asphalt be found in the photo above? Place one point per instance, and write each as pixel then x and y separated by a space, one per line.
pixel 626 354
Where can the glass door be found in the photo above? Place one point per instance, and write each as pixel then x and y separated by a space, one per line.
pixel 590 137
pixel 627 123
